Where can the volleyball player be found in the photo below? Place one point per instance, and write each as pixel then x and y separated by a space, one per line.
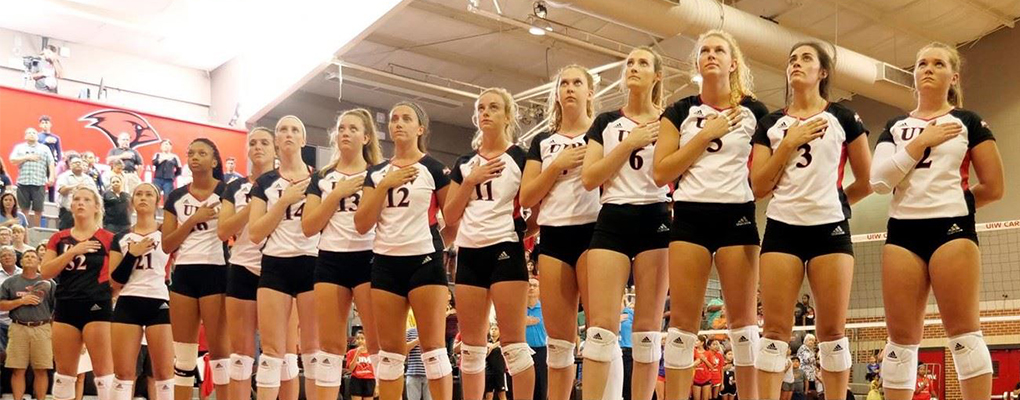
pixel 483 204
pixel 632 228
pixel 552 180
pixel 79 258
pixel 288 261
pixel 924 159
pixel 401 198
pixel 704 146
pixel 140 271
pixel 344 268
pixel 245 263
pixel 799 157
pixel 199 277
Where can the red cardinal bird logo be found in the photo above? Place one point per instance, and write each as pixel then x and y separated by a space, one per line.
pixel 113 122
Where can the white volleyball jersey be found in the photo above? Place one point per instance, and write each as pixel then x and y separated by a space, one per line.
pixel 287 239
pixel 244 253
pixel 721 173
pixel 938 185
pixel 407 223
pixel 149 274
pixel 567 202
pixel 493 214
pixel 202 246
pixel 340 235
pixel 633 183
pixel 810 192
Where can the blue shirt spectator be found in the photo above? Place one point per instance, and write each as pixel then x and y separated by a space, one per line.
pixel 626 327
pixel 535 332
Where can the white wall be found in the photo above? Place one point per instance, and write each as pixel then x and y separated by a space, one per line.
pixel 132 82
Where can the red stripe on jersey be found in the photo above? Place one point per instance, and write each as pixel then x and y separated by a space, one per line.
pixel 433 209
pixel 842 166
pixel 517 205
pixel 965 172
pixel 105 238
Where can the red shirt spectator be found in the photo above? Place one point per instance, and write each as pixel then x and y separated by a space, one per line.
pixel 359 364
pixel 922 390
pixel 703 371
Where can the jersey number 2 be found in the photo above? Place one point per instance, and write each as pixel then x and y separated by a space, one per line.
pixel 925 162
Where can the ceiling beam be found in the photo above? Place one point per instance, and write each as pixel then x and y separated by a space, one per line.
pixel 880 17
pixel 1001 19
pixel 411 46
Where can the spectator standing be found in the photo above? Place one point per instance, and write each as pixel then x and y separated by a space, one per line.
pixel 8 269
pixel 92 170
pixel 5 179
pixel 874 368
pixel 117 169
pixel 230 170
pixel 922 389
pixel 800 381
pixel 48 138
pixel 48 70
pixel 626 343
pixel 536 337
pixel 116 216
pixel 36 169
pixel 415 382
pixel 67 183
pixel 800 310
pixel 713 309
pixel 125 153
pixel 807 354
pixel 495 368
pixel 360 367
pixel 168 167
pixel 9 214
pixel 29 300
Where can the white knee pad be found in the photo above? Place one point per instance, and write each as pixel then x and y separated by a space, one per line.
pixel 185 356
pixel 241 366
pixel 472 358
pixel 647 347
pixel 123 390
pixel 437 363
pixel 834 356
pixel 329 370
pixel 269 372
pixel 310 362
pixel 899 366
pixel 600 344
pixel 165 390
pixel 374 360
pixel 518 357
pixel 63 386
pixel 970 354
pixel 679 349
pixel 391 366
pixel 771 355
pixel 744 344
pixel 559 353
pixel 220 371
pixel 104 386
pixel 289 370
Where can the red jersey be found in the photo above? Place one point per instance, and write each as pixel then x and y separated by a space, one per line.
pixel 361 367
pixel 87 276
pixel 703 372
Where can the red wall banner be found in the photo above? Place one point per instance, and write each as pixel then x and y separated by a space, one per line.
pixel 88 126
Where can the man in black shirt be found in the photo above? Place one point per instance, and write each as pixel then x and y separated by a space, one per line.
pixel 125 153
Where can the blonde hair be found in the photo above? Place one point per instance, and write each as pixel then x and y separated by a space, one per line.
pixel 741 80
pixel 553 108
pixel 99 203
pixel 512 127
pixel 370 151
pixel 657 90
pixel 955 96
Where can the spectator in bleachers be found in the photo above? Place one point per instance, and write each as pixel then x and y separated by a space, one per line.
pixel 874 368
pixel 807 354
pixel 92 170
pixel 800 310
pixel 8 269
pixel 416 385
pixel 20 242
pixel 64 164
pixel 9 213
pixel 29 300
pixel 5 179
pixel 536 335
pixel 116 216
pixel 129 181
pixel 6 236
pixel 48 138
pixel 230 170
pixel 36 169
pixel 47 71
pixel 125 153
pixel 712 311
pixel 800 381
pixel 359 365
pixel 168 167
pixel 495 367
pixel 67 182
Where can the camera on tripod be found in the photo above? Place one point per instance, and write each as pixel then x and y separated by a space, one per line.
pixel 31 63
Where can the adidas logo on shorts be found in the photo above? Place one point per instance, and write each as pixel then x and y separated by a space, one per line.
pixel 164 306
pixel 954 230
pixel 958 347
pixel 772 346
pixel 743 339
pixel 662 228
pixel 426 260
pixel 95 307
pixel 503 256
pixel 838 348
pixel 838 231
pixel 743 221
pixel 892 355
